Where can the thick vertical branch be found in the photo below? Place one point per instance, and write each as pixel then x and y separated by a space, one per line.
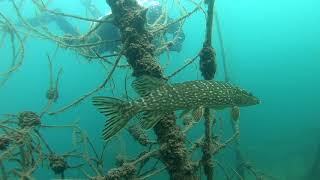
pixel 208 64
pixel 130 18
pixel 209 23
pixel 207 155
pixel 208 69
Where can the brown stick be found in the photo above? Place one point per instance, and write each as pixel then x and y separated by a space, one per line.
pixel 207 156
pixel 130 19
pixel 208 69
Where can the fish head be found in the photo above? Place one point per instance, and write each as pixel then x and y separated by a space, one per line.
pixel 244 98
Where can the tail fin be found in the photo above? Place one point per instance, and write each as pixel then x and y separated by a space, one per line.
pixel 116 110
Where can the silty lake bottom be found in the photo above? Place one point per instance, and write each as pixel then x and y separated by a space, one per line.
pixel 168 89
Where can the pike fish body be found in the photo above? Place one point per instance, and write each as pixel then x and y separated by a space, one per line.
pixel 159 98
pixel 189 95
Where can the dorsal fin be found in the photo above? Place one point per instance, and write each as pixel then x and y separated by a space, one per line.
pixel 144 84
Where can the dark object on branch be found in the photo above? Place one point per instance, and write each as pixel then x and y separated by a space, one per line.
pixel 124 172
pixel 208 64
pixel 28 119
pixel 139 135
pixel 52 94
pixel 120 160
pixel 58 164
pixel 4 143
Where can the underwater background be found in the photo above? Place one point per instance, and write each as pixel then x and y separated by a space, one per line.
pixel 272 48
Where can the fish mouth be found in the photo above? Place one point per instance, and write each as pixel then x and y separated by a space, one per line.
pixel 257 101
pixel 254 101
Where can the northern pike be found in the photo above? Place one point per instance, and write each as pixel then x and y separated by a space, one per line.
pixel 159 98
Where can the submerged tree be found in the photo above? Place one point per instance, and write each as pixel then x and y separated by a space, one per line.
pixel 139 45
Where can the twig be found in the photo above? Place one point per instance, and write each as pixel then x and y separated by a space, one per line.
pixel 91 92
pixel 183 67
pixel 223 52
pixel 43 8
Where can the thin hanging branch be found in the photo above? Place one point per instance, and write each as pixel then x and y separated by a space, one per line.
pixel 102 85
pixel 223 52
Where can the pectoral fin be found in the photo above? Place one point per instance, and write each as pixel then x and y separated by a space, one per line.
pixel 192 115
pixel 197 113
pixel 235 113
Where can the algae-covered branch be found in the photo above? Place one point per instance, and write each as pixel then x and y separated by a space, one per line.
pixel 139 51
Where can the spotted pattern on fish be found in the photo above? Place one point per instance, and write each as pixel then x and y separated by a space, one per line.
pixel 193 94
pixel 167 98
